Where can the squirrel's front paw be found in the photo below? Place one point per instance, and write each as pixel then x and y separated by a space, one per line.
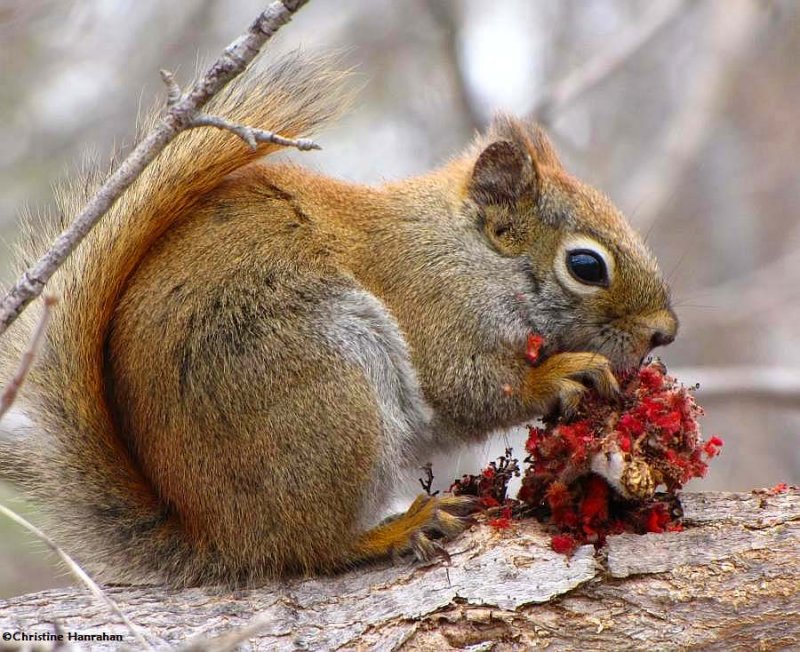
pixel 560 381
pixel 418 530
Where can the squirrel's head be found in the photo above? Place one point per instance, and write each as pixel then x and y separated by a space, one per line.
pixel 595 285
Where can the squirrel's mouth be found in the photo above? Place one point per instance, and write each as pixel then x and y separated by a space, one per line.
pixel 628 342
pixel 627 361
pixel 625 351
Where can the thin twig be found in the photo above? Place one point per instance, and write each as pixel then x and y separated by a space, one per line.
pixel 80 574
pixel 178 117
pixel 174 93
pixel 251 135
pixel 564 92
pixel 26 361
pixel 427 482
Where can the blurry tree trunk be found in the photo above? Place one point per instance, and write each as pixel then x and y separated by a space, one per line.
pixel 733 30
pixel 730 581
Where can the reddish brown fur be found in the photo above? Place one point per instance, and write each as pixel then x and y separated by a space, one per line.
pixel 248 353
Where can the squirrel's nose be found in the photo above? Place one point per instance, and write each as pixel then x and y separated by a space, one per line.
pixel 660 338
pixel 665 327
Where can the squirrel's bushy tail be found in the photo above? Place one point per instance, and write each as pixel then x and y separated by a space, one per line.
pixel 70 457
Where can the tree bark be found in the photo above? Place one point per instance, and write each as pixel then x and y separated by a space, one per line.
pixel 729 581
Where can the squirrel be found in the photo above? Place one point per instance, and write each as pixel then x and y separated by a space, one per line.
pixel 247 353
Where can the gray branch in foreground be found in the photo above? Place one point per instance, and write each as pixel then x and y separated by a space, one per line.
pixel 566 90
pixel 26 362
pixel 81 575
pixel 251 135
pixel 182 110
pixel 730 580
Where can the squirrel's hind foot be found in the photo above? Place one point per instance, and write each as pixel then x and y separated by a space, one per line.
pixel 420 529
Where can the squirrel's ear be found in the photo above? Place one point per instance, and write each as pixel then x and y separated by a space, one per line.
pixel 503 174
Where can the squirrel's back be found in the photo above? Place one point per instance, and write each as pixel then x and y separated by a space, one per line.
pixel 66 418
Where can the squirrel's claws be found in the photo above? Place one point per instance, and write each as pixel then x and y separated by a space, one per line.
pixel 561 381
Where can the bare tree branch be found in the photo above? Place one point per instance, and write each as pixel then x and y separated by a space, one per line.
pixel 179 116
pixel 13 386
pixel 564 92
pixel 729 580
pixel 251 135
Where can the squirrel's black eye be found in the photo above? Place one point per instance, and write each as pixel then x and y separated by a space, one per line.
pixel 587 267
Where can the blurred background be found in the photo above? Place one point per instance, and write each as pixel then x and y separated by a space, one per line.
pixel 684 112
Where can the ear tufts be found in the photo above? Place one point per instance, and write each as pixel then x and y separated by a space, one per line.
pixel 546 154
pixel 528 135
